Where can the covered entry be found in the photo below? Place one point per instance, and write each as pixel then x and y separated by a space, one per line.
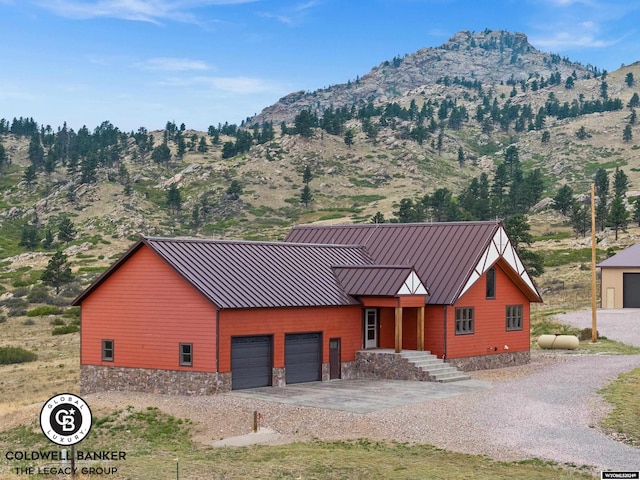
pixel 250 362
pixel 303 357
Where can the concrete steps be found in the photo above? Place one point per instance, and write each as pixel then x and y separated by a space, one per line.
pixel 437 369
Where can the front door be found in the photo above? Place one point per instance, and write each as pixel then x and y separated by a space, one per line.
pixel 370 328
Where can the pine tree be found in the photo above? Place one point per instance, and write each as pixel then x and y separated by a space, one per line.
pixel 58 271
pixel 306 196
pixel 378 218
pixel 620 183
pixel 66 230
pixel 306 176
pixel 29 237
pixel 618 216
pixel 174 200
pixel 202 146
pixel 348 137
pixel 636 211
pixel 563 201
pixel 29 175
pixel 580 219
pixel 519 231
pixel 627 133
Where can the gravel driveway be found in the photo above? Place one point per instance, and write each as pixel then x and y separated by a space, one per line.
pixel 622 325
pixel 548 409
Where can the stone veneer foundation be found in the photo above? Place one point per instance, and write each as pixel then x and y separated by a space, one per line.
pixel 487 362
pixel 387 366
pixel 368 364
pixel 96 378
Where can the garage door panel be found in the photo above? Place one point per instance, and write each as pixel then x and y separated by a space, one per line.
pixel 303 357
pixel 631 290
pixel 250 362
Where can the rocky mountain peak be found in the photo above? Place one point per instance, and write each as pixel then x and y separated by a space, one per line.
pixel 491 57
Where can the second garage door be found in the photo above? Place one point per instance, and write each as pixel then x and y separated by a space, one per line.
pixel 303 357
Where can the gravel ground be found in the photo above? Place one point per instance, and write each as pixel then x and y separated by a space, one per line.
pixel 622 325
pixel 548 409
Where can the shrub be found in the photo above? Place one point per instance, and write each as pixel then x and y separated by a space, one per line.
pixel 20 292
pixel 3 319
pixel 39 295
pixel 10 355
pixel 72 312
pixel 71 291
pixel 64 330
pixel 550 327
pixel 57 322
pixel 29 321
pixel 14 303
pixel 17 311
pixel 59 301
pixel 585 334
pixel 45 310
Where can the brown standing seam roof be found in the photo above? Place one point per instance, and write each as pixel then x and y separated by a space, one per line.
pixel 373 280
pixel 237 274
pixel 443 254
pixel 629 257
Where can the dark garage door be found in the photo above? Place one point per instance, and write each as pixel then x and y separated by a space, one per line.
pixel 631 290
pixel 250 362
pixel 302 357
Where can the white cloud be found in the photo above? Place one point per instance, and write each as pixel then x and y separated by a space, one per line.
pixel 562 40
pixel 169 64
pixel 293 15
pixel 153 11
pixel 236 85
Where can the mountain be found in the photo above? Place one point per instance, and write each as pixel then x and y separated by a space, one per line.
pixel 436 119
pixel 490 57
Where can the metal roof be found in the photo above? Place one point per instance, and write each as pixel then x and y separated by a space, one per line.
pixel 444 254
pixel 374 280
pixel 629 257
pixel 237 274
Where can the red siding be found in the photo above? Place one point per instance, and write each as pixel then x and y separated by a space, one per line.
pixel 490 332
pixel 148 310
pixel 334 322
pixel 434 329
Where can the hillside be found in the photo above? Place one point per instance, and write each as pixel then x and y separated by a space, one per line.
pixel 405 144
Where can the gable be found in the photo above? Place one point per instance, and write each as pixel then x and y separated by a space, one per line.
pixel 380 280
pixel 449 256
pixel 501 248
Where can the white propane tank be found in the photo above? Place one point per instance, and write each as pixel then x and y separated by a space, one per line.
pixel 566 342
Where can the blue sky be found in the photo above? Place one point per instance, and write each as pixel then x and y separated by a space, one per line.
pixel 201 62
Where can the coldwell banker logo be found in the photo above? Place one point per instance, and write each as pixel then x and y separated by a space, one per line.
pixel 65 419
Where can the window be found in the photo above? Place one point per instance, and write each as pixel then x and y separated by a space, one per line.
pixel 491 283
pixel 107 350
pixel 514 317
pixel 186 354
pixel 464 320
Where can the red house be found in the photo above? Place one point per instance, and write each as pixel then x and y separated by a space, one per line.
pixel 203 316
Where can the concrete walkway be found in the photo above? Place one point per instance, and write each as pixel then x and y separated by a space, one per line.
pixel 362 396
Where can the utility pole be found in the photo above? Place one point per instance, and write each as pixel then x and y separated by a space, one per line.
pixel 594 331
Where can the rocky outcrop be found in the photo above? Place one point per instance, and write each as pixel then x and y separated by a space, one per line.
pixel 488 56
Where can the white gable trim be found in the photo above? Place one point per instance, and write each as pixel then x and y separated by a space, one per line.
pixel 500 246
pixel 412 286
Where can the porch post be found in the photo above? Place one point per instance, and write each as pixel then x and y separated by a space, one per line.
pixel 398 329
pixel 420 329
